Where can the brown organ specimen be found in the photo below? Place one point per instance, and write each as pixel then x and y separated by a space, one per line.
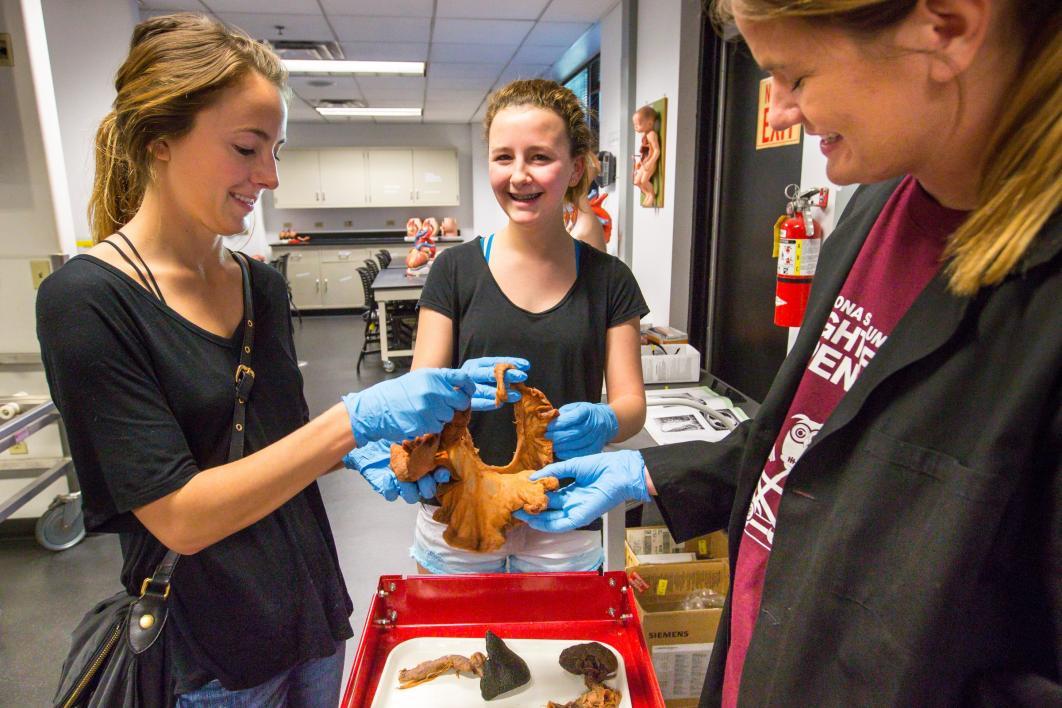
pixel 478 502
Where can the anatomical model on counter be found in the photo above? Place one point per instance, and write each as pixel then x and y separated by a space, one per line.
pixel 479 499
pixel 423 251
pixel 448 228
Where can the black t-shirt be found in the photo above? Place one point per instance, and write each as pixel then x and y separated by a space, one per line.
pixel 147 399
pixel 565 344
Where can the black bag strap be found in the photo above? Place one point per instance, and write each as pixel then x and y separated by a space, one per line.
pixel 148 614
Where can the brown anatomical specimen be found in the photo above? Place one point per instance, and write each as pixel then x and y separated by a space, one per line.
pixel 408 678
pixel 478 502
pixel 599 696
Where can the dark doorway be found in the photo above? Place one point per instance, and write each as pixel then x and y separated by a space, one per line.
pixel 741 191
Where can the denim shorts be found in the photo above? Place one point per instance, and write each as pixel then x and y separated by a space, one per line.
pixel 525 551
pixel 312 684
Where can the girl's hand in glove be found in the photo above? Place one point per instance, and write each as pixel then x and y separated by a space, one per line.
pixel 582 429
pixel 601 482
pixel 416 403
pixel 481 371
pixel 373 462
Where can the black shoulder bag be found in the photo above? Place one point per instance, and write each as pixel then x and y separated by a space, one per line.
pixel 114 658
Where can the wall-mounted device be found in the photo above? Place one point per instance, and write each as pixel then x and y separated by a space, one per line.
pixel 608 168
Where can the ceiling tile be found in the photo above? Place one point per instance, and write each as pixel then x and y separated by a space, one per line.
pixel 521 71
pixel 185 5
pixel 290 7
pixel 341 87
pixel 381 29
pixel 491 9
pixel 510 32
pixel 462 71
pixel 437 96
pixel 472 53
pixel 538 55
pixel 379 8
pixel 477 83
pixel 439 115
pixel 386 51
pixel 397 83
pixel 300 112
pixel 379 97
pixel 582 11
pixel 556 34
pixel 305 27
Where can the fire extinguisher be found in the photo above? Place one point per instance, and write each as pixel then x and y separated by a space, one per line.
pixel 797 238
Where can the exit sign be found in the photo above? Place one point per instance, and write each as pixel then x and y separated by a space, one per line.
pixel 766 136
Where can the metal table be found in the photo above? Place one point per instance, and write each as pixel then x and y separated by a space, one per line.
pixel 392 285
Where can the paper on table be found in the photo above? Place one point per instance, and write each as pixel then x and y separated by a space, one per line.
pixel 678 423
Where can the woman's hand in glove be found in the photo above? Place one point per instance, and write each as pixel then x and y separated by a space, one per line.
pixel 601 482
pixel 481 371
pixel 416 403
pixel 373 461
pixel 582 429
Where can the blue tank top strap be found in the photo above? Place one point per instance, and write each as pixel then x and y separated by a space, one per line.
pixel 487 243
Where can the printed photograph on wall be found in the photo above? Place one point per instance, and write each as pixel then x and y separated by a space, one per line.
pixel 650 123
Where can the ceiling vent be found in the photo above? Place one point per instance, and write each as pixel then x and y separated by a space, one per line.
pixel 298 49
pixel 337 103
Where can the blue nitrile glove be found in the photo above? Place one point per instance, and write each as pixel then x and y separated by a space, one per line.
pixel 481 371
pixel 601 482
pixel 582 429
pixel 373 461
pixel 416 403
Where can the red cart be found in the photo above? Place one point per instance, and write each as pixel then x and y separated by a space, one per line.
pixel 582 606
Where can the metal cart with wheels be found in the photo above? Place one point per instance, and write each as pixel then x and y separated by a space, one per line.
pixel 62 525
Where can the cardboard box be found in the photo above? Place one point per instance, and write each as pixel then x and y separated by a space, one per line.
pixel 648 540
pixel 680 641
pixel 670 363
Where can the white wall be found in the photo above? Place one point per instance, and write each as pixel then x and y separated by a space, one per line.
pixel 667 56
pixel 487 216
pixel 317 135
pixel 87 42
pixel 26 213
pixel 612 115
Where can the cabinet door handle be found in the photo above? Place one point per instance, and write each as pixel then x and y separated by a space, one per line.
pixel 317 285
pixel 322 196
pixel 326 284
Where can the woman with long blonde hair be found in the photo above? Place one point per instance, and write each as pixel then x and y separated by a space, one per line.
pixel 894 507
pixel 143 338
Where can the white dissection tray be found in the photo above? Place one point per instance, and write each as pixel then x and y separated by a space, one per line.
pixel 549 682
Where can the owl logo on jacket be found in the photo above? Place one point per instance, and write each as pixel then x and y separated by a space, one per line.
pixel 761 519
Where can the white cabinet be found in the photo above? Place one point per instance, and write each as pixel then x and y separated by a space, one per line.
pixel 326 277
pixel 304 274
pixel 435 178
pixel 367 177
pixel 299 174
pixel 343 177
pixel 320 178
pixel 391 177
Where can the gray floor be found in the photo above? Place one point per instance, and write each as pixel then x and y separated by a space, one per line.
pixel 43 594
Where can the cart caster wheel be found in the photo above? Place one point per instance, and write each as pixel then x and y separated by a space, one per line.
pixel 62 526
pixel 389 366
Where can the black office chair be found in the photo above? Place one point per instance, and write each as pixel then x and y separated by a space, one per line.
pixel 371 317
pixel 400 330
pixel 373 267
pixel 384 256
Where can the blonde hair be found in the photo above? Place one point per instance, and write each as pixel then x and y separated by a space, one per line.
pixel 177 65
pixel 1020 187
pixel 542 93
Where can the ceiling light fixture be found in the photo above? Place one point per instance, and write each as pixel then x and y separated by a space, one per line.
pixel 375 112
pixel 390 68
